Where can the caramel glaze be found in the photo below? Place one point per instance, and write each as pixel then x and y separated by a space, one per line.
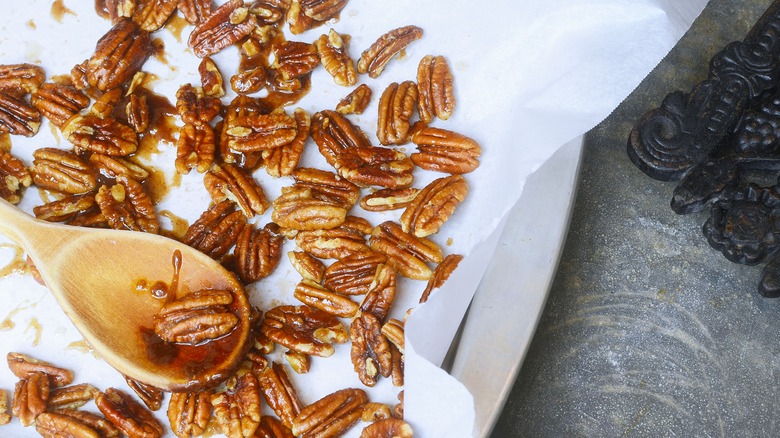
pixel 58 10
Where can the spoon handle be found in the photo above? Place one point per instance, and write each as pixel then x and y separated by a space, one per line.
pixel 37 237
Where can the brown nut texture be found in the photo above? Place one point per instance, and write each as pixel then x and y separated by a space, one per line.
pixel 113 167
pixel 298 209
pixel 327 186
pixel 30 397
pixel 270 427
pixel 137 112
pixel 227 181
pixel 407 253
pixel 195 148
pixel 334 133
pixel 440 275
pixel 17 117
pixel 388 199
pixel 353 274
pixel 151 15
pixel 442 150
pixel 258 252
pixel 332 50
pixel 195 106
pixel 396 107
pixel 293 59
pixel 195 11
pixel 393 330
pixel 23 366
pixel 62 171
pixel 53 425
pixel 381 293
pixel 131 417
pixel 319 297
pixel 237 409
pixel 67 208
pixel 107 136
pixel 14 178
pixel 374 59
pixel 435 87
pixel 375 166
pixel 258 132
pixel 282 161
pixel 225 26
pixel 307 265
pixel 5 417
pixel 126 206
pixel 58 102
pixel 304 329
pixel 388 427
pixel 434 205
pixel 19 79
pixel 70 397
pixel 370 351
pixel 210 77
pixel 97 422
pixel 356 101
pixel 196 318
pixel 322 10
pixel 119 54
pixel 189 413
pixel 334 243
pixel 151 396
pixel 331 415
pixel 279 393
pixel 216 230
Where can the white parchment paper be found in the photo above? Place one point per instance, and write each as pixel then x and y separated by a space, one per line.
pixel 529 76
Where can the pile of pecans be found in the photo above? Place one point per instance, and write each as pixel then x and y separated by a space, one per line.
pixel 348 266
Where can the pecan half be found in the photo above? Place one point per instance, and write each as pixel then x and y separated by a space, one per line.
pixel 137 112
pixel 108 136
pixel 19 79
pixel 279 393
pixel 334 243
pixel 5 417
pixel 442 150
pixel 96 422
pixel 105 103
pixel 407 253
pixel 54 425
pixel 393 330
pixel 196 318
pixel 434 205
pixel 370 352
pixel 388 199
pixel 119 54
pixel 18 117
pixel 195 148
pixel 334 133
pixel 195 106
pixel 131 417
pixel 63 171
pixel 299 362
pixel 332 50
pixel 23 366
pixel 151 396
pixel 293 59
pixel 322 10
pixel 327 186
pixel 435 86
pixel 150 15
pixel 216 230
pixel 67 208
pixel 189 413
pixel 307 265
pixel 14 178
pixel 298 209
pixel 71 397
pixel 225 26
pixel 270 11
pixel 195 11
pixel 258 252
pixel 237 409
pixel 126 206
pixel 331 415
pixel 259 132
pixel 251 76
pixel 319 297
pixel 298 21
pixel 270 427
pixel 375 166
pixel 227 181
pixel 353 274
pixel 115 10
pixel 396 107
pixel 388 427
pixel 58 102
pixel 374 59
pixel 210 78
pixel 381 293
pixel 355 102
pixel 304 329
pixel 30 396
pixel 283 160
pixel 374 411
pixel 440 275
pixel 113 167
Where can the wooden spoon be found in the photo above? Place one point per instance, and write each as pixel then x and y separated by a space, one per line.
pixel 112 283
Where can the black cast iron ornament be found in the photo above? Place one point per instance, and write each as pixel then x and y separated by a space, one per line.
pixel 721 141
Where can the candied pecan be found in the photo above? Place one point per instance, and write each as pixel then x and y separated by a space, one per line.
pixel 319 297
pixel 388 199
pixel 375 166
pixel 322 10
pixel 195 11
pixel 434 205
pixel 269 11
pixel 293 59
pixel 396 107
pixel 78 75
pixel 355 102
pixel 251 75
pixel 327 186
pixel 104 104
pixel 19 79
pixel 70 397
pixel 195 148
pixel 407 253
pixel 225 26
pixel 440 275
pixel 131 417
pixel 63 171
pixel 227 181
pixel 119 54
pixel 30 396
pixel 334 133
pixel 270 427
pixel 58 102
pixel 126 206
pixel 370 351
pixel 397 358
pixel 108 136
pixel 445 151
pixel 258 132
pixel 299 362
pixel 353 274
pixel 195 106
pixel 22 366
pixel 381 293
pixel 18 117
pixel 258 252
pixel 210 78
pixel 55 425
pixel 14 178
pixel 374 59
pixel 97 422
pixel 216 230
pixel 237 409
pixel 137 112
pixel 113 167
pixel 196 318
pixel 298 21
pixel 279 393
pixel 151 15
pixel 388 427
pixel 304 329
pixel 331 415
pixel 373 411
pixel 5 417
pixel 332 50
pixel 307 265
pixel 393 330
pixel 189 413
pixel 434 84
pixel 298 209
pixel 241 106
pixel 118 9
pixel 150 395
pixel 334 243
pixel 283 160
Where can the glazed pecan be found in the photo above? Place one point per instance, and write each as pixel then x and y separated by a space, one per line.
pixel 445 151
pixel 196 318
pixel 355 102
pixel 137 112
pixel 70 397
pixel 5 417
pixel 195 148
pixel 67 208
pixel 440 275
pixel 55 425
pixel 150 395
pixel 353 274
pixel 270 427
pixel 216 230
pixel 225 26
pixel 388 199
pixel 322 10
pixel 210 78
pixel 63 171
pixel 116 10
pixel 333 243
pixel 104 105
pixel 119 54
pixel 113 167
pixel 434 84
pixel 370 351
pixel 299 362
pixel 396 107
pixel 393 330
pixel 381 293
pixel 131 417
pixel 126 206
pixel 375 166
pixel 283 160
pixel 374 59
pixel 78 75
pixel 258 252
pixel 189 413
pixel 331 415
pixel 195 106
pixel 334 133
pixel 14 178
pixel 319 297
pixel 19 79
pixel 307 265
pixel 259 132
pixel 304 329
pixel 151 15
pixel 108 136
pixel 17 117
pixel 96 422
pixel 298 209
pixel 397 357
pixel 23 366
pixel 388 427
pixel 240 106
pixel 251 76
pixel 195 11
pixel 58 102
pixel 373 411
pixel 298 21
pixel 269 11
pixel 30 396
pixel 407 253
pixel 434 205
pixel 293 59
pixel 237 409
pixel 332 50
pixel 279 393
pixel 327 186
pixel 227 181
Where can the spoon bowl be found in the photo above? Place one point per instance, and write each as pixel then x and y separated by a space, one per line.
pixel 112 284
